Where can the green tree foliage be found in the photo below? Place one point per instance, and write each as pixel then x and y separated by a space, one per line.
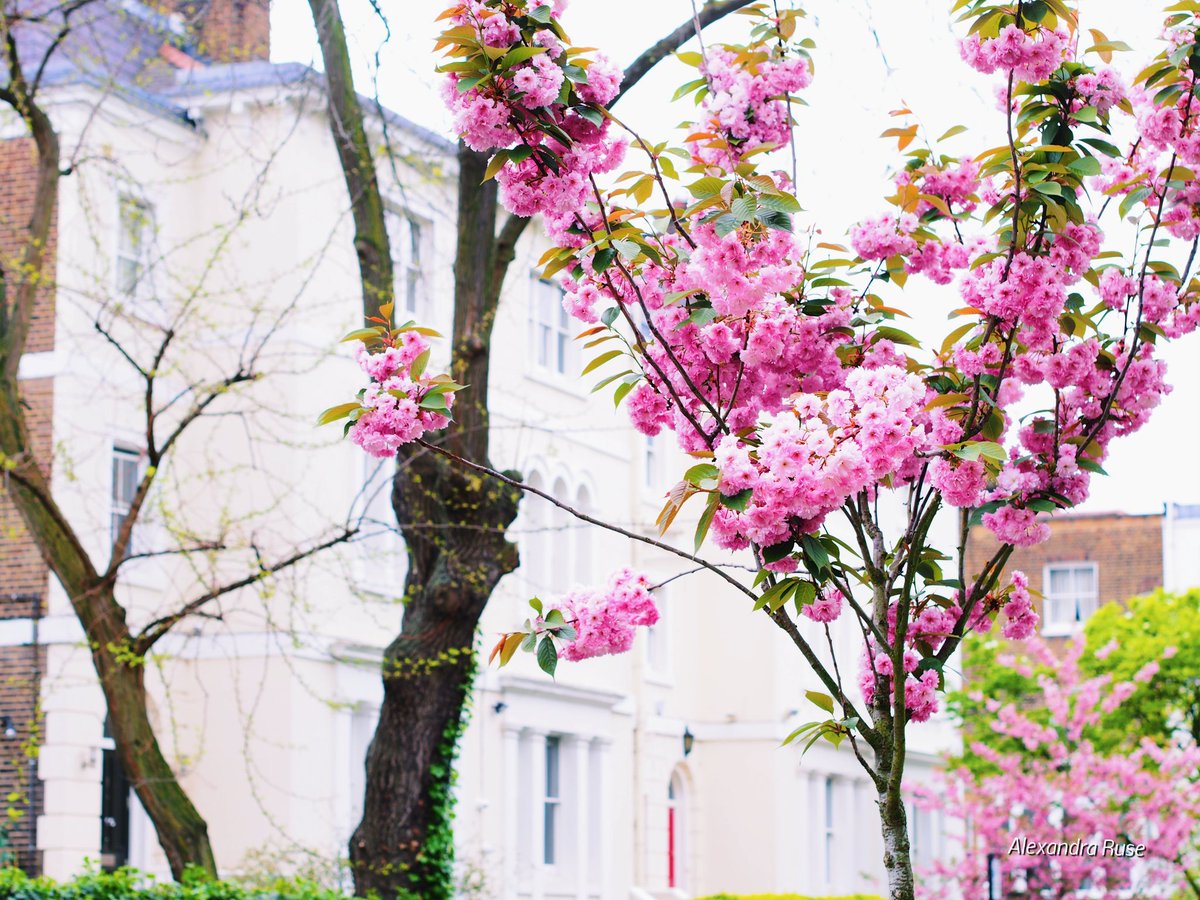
pixel 1120 639
pixel 1144 630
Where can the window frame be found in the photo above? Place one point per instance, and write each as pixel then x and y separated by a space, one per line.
pixel 552 801
pixel 409 237
pixel 551 344
pixel 137 256
pixel 118 506
pixel 1058 627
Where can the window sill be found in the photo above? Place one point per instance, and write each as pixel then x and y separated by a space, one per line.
pixel 1056 631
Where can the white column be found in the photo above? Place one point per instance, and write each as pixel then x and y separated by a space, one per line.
pixel 511 812
pixel 602 816
pixel 581 797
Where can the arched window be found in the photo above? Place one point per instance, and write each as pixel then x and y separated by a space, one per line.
pixel 583 538
pixel 535 512
pixel 559 574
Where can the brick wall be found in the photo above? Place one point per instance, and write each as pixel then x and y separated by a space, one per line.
pixel 1127 550
pixel 21 567
pixel 22 570
pixel 229 30
pixel 16 700
pixel 18 165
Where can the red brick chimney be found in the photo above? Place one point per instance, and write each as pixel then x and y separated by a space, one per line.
pixel 228 30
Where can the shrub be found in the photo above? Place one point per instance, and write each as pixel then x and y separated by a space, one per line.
pixel 129 884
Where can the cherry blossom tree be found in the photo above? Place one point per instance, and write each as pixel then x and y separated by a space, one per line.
pixel 776 359
pixel 1063 817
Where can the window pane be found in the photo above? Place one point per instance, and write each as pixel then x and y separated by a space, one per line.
pixel 552 767
pixel 1060 580
pixel 414 241
pixel 548 844
pixel 1085 579
pixel 411 290
pixel 128 272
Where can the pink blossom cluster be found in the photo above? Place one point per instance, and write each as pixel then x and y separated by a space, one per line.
pixel 1030 56
pixel 607 618
pixel 955 183
pixel 920 690
pixel 524 107
pixel 827 607
pixel 884 236
pixel 392 415
pixel 1063 789
pixel 809 461
pixel 1022 621
pixel 745 107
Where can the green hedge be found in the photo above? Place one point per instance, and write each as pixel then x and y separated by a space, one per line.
pixel 127 884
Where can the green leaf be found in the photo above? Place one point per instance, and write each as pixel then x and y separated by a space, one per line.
pixel 519 55
pixel 700 473
pixel 555 617
pixel 821 699
pixel 1103 146
pixel 806 593
pixel 592 115
pixel 496 164
pixel 800 731
pixel 1090 465
pixel 710 510
pixel 610 315
pixel 366 335
pixel 784 203
pixel 603 259
pixel 541 14
pixel 419 364
pixel 622 391
pixel 547 656
pixel 628 249
pixel 1085 165
pixel 744 209
pixel 600 360
pixel 815 551
pixel 337 412
pixel 435 402
pixel 706 187
pixel 738 501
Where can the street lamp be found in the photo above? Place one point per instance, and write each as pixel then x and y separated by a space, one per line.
pixel 9 726
pixel 689 741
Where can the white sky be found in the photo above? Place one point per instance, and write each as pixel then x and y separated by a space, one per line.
pixel 843 162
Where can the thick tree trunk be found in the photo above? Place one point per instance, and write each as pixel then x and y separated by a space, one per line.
pixel 897 851
pixel 897 859
pixel 453 523
pixel 182 832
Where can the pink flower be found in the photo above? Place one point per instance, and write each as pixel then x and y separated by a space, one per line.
pixel 827 607
pixel 607 619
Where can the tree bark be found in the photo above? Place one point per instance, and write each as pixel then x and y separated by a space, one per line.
pixel 453 523
pixel 897 856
